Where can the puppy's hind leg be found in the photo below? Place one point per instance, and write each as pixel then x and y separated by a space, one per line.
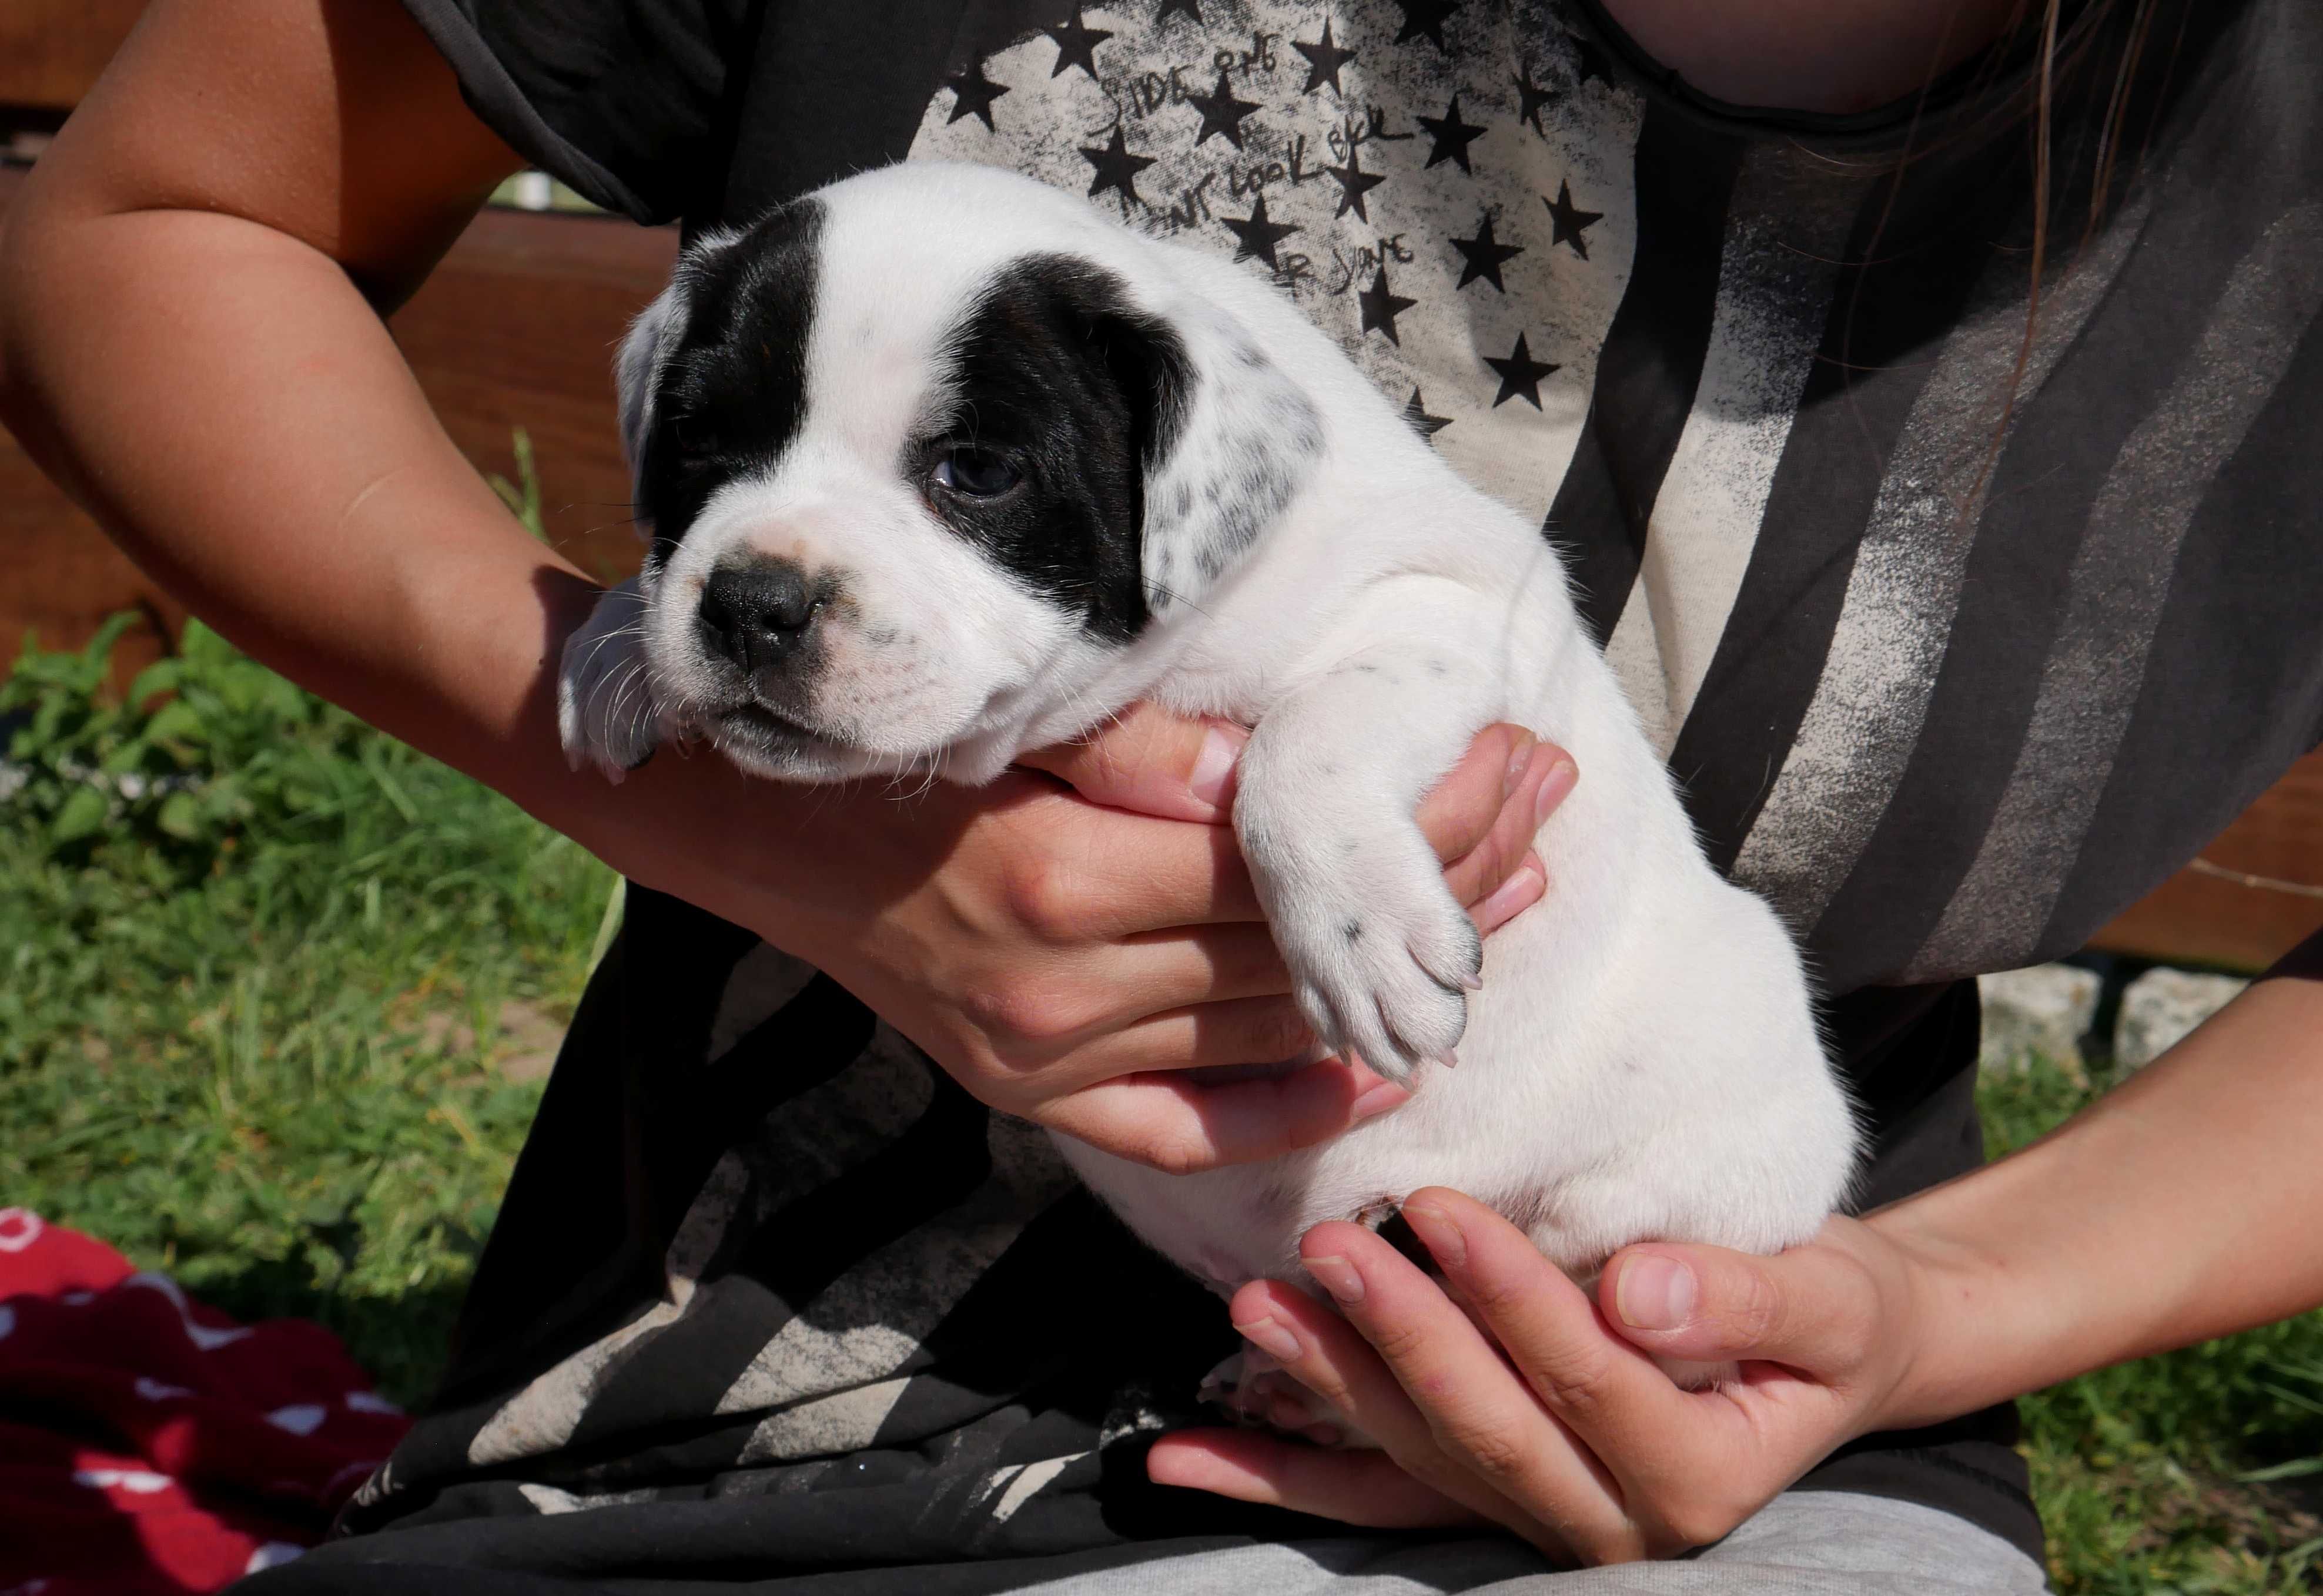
pixel 1380 954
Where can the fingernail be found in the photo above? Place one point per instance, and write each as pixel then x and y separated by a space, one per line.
pixel 1561 779
pixel 1435 1228
pixel 1338 1276
pixel 1377 1101
pixel 1212 778
pixel 1269 1336
pixel 1520 756
pixel 1511 898
pixel 1654 1293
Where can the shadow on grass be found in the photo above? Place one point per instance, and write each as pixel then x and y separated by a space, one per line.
pixel 400 1341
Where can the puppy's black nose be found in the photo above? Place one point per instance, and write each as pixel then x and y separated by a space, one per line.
pixel 757 613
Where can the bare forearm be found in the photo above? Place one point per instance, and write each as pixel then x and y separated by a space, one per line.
pixel 230 407
pixel 2178 1208
pixel 226 402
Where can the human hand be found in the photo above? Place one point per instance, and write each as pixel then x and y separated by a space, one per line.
pixel 1537 1409
pixel 1067 959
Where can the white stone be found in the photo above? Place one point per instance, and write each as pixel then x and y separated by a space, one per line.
pixel 2160 1007
pixel 2038 1013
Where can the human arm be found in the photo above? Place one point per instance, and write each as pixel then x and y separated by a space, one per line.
pixel 2176 1209
pixel 191 288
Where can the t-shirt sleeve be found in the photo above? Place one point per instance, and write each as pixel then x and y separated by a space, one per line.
pixel 625 100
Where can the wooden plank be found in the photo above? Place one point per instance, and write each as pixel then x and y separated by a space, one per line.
pixel 2199 916
pixel 51 50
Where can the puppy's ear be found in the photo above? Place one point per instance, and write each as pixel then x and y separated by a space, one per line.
pixel 637 373
pixel 1234 438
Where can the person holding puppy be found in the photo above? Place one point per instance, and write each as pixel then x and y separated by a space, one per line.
pixel 1917 393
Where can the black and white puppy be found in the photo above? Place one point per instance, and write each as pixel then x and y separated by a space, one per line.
pixel 941 465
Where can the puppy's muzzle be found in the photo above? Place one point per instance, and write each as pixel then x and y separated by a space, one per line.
pixel 757 614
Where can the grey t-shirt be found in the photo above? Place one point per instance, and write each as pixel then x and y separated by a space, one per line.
pixel 1961 628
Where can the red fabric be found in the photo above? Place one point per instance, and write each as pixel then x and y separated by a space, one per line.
pixel 149 1444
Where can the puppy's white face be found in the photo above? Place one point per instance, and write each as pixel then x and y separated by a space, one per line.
pixel 897 445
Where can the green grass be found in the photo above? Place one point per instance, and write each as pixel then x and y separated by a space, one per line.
pixel 251 1031
pixel 2197 1471
pixel 249 1027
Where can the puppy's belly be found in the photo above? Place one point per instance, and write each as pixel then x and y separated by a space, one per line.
pixel 1667 1095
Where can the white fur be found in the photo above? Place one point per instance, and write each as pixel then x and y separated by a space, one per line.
pixel 1641 1060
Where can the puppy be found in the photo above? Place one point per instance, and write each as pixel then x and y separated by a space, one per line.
pixel 941 466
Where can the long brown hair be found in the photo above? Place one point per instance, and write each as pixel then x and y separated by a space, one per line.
pixel 2045 51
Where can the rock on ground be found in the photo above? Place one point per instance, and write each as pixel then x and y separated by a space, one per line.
pixel 2043 1012
pixel 2160 1007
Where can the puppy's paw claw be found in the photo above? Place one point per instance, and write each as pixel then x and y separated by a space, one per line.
pixel 1388 980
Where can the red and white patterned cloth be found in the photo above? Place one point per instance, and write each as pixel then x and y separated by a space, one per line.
pixel 148 1445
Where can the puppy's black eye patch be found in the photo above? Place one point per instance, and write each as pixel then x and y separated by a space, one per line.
pixel 696 437
pixel 974 472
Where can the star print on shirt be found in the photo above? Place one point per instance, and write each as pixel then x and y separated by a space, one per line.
pixel 1416 416
pixel 1452 136
pixel 1485 255
pixel 1192 8
pixel 1355 182
pixel 973 94
pixel 1532 98
pixel 1521 375
pixel 1221 112
pixel 1381 305
pixel 1323 60
pixel 1425 19
pixel 1259 235
pixel 1116 169
pixel 1077 45
pixel 1567 221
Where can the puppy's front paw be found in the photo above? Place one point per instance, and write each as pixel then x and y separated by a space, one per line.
pixel 1382 958
pixel 606 712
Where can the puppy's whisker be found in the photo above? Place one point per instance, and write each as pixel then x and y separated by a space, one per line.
pixel 631 629
pixel 632 678
pixel 1176 597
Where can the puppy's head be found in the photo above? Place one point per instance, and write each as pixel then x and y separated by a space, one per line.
pixel 919 455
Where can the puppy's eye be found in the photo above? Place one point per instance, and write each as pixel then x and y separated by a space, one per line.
pixel 975 474
pixel 696 436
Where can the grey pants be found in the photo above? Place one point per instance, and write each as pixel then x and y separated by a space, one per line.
pixel 1802 1544
pixel 1807 1543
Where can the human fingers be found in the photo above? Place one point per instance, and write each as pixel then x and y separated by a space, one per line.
pixel 1633 1418
pixel 1151 760
pixel 1248 1035
pixel 1524 887
pixel 1359 1485
pixel 1074 998
pixel 1818 1309
pixel 1543 778
pixel 1480 1423
pixel 1179 1126
pixel 1459 811
pixel 1072 872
